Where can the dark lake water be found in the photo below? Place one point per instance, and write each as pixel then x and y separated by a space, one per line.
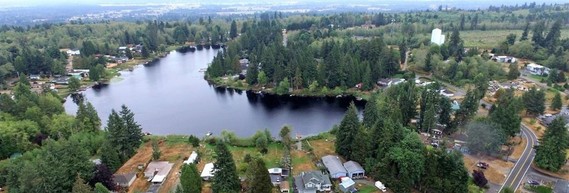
pixel 171 96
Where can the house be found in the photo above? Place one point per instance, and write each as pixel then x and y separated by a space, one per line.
pixel 334 166
pixel 157 171
pixel 311 182
pixel 284 187
pixel 192 159
pixel 244 63
pixel 347 185
pixel 548 118
pixel 124 180
pixel 387 82
pixel 355 170
pixel 446 93
pixel 207 171
pixel 504 59
pixel 73 52
pixel 278 175
pixel 35 77
pixel 64 80
pixel 537 69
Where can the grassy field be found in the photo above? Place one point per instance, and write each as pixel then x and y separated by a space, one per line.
pixel 272 158
pixel 489 39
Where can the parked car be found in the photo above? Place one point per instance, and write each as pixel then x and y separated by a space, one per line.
pixel 380 186
pixel 482 165
pixel 533 183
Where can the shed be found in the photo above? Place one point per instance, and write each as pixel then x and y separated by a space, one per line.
pixel 347 185
pixel 124 180
pixel 192 159
pixel 207 171
pixel 355 170
pixel 334 166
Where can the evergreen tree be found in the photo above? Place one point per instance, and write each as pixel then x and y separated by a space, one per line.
pixel 462 21
pixel 537 36
pixel 534 101
pixel 132 130
pixel 371 112
pixel 468 108
pixel 233 30
pixel 190 179
pixel 524 36
pixel 252 74
pixel 551 152
pixel 346 133
pixel 367 83
pixel 86 118
pixel 110 157
pixel 556 104
pixel 361 146
pixel 446 111
pixel 285 136
pixel 225 179
pixel 505 113
pixel 259 180
pixel 283 87
pixel 80 186
pixel 428 62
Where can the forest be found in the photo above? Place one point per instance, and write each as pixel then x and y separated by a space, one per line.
pixel 43 149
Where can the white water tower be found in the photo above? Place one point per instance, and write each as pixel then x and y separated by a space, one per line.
pixel 437 37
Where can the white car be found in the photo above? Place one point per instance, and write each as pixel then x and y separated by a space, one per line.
pixel 380 186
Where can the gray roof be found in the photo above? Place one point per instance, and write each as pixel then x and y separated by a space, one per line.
pixel 123 178
pixel 547 119
pixel 352 166
pixel 315 177
pixel 562 186
pixel 333 164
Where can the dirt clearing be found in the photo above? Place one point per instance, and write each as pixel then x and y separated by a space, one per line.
pixel 497 171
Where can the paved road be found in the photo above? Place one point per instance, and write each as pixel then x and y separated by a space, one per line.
pixel 516 175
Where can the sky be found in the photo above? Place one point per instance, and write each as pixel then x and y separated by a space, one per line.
pixel 78 2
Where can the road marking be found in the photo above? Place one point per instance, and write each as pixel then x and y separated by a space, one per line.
pixel 515 165
pixel 520 169
pixel 533 143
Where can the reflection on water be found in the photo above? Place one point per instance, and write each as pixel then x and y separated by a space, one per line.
pixel 170 96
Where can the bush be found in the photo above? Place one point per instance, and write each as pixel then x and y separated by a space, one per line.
pixel 195 141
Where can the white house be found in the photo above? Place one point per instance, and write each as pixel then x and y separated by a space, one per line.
pixel 537 69
pixel 207 171
pixel 157 171
pixel 192 159
pixel 73 52
pixel 437 37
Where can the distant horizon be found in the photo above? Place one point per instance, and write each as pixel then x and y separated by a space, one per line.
pixel 39 3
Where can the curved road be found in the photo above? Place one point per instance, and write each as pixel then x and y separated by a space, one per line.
pixel 517 174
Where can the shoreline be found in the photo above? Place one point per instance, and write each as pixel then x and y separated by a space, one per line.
pixel 362 96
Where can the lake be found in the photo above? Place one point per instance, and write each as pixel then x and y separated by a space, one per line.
pixel 170 96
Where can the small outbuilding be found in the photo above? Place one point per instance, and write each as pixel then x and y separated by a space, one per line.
pixel 334 166
pixel 208 171
pixel 354 169
pixel 192 159
pixel 124 180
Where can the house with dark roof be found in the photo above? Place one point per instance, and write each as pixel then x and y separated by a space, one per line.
pixel 334 166
pixel 354 169
pixel 311 182
pixel 124 180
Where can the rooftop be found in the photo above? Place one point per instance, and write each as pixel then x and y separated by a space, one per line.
pixel 352 166
pixel 158 170
pixel 207 170
pixel 333 164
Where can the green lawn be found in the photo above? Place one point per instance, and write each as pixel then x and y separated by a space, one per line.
pixel 272 158
pixel 367 189
pixel 489 39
